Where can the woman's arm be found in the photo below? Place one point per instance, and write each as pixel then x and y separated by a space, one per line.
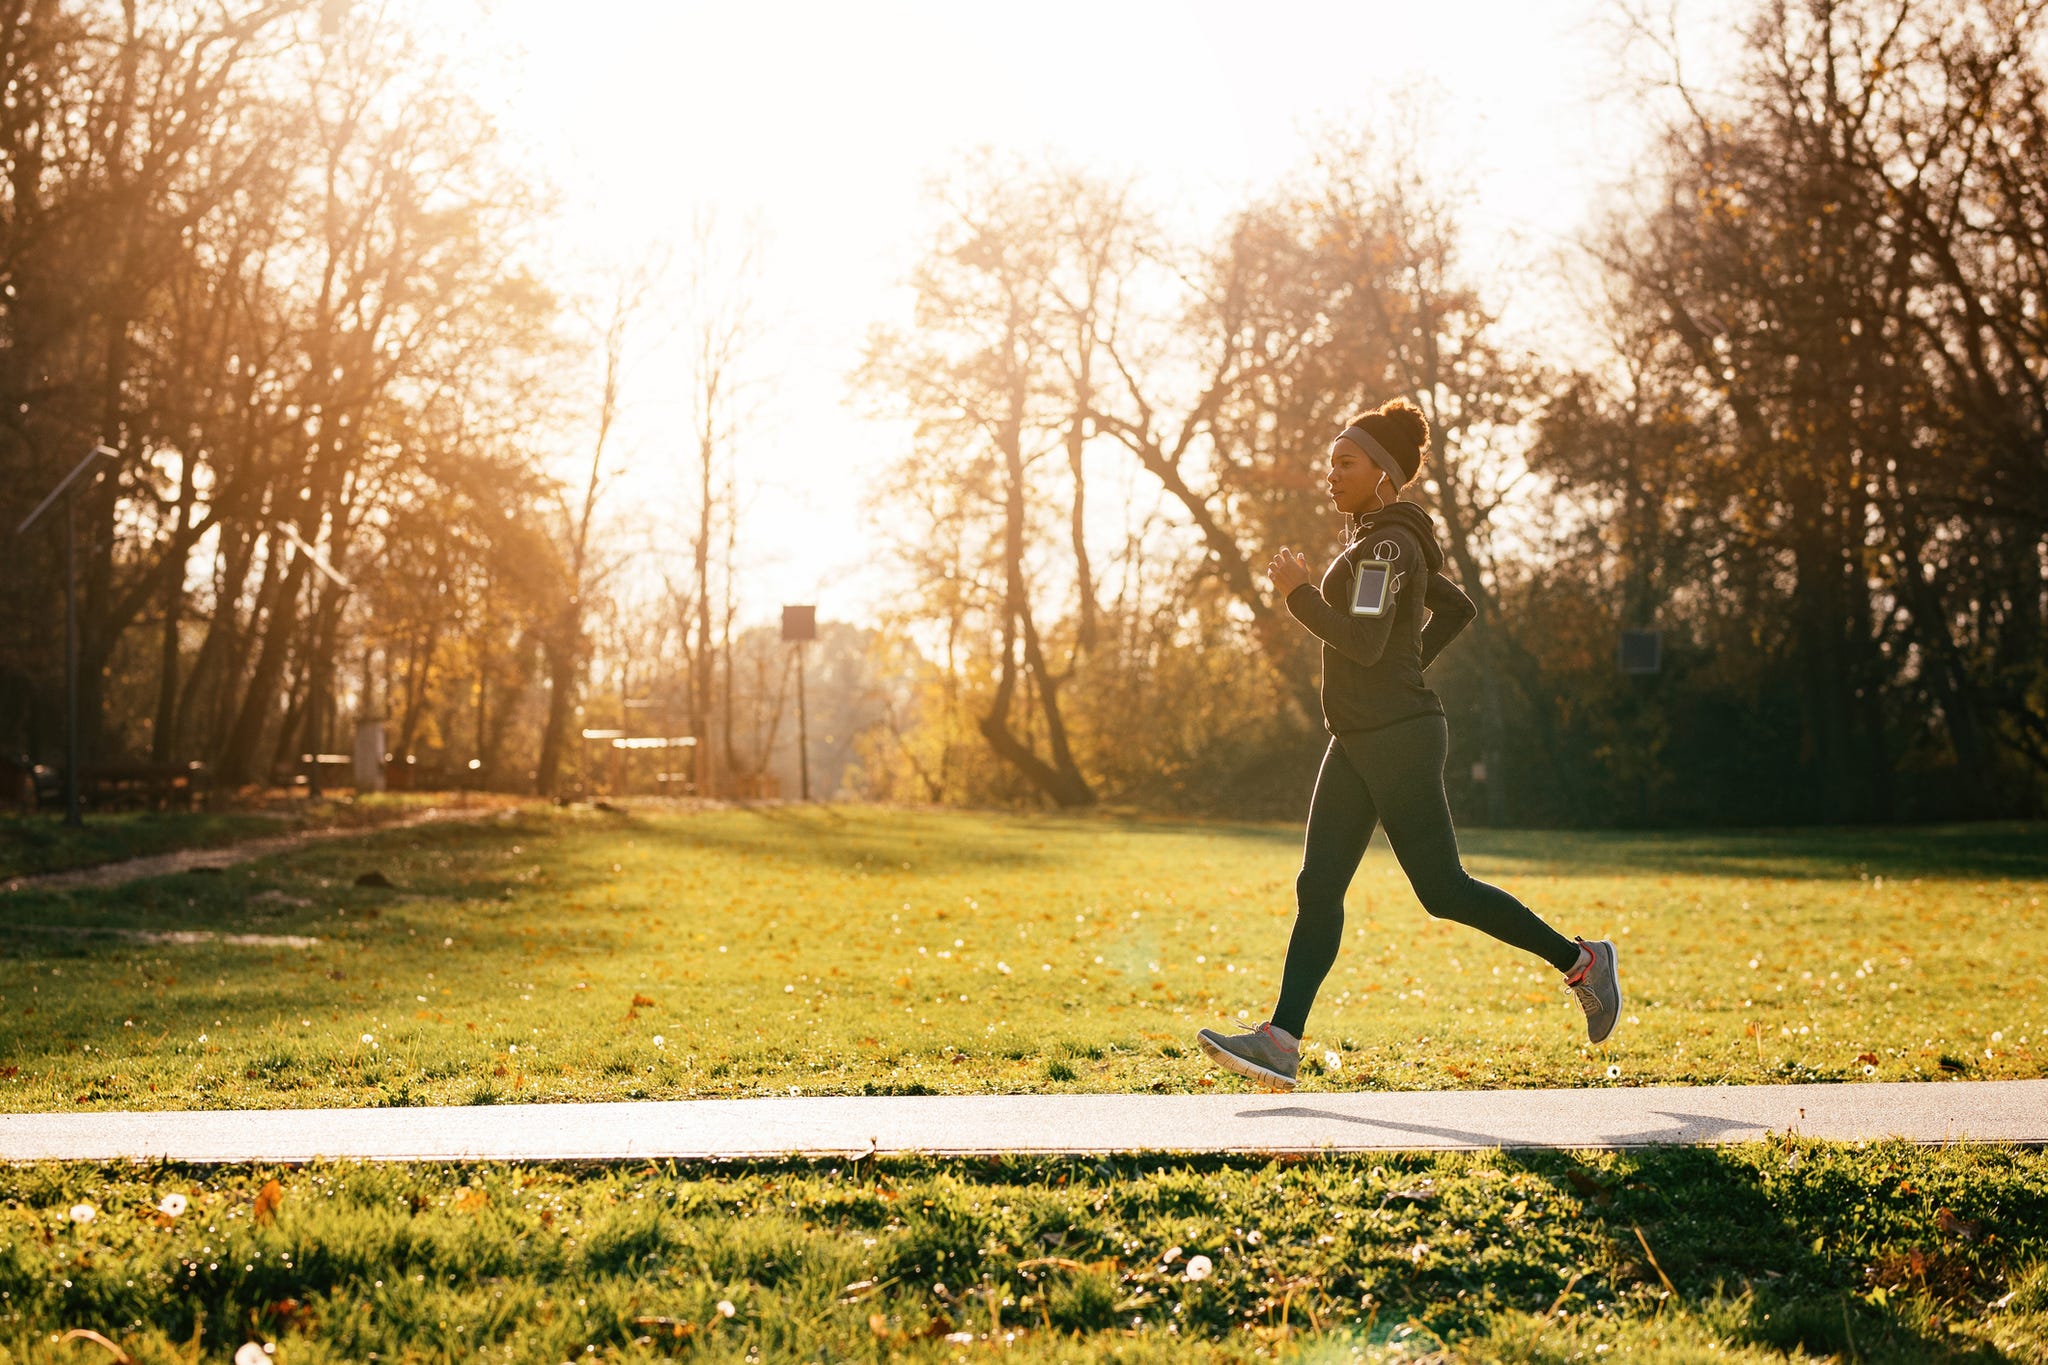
pixel 1361 639
pixel 1450 611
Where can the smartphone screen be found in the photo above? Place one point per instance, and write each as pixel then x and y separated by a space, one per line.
pixel 1369 588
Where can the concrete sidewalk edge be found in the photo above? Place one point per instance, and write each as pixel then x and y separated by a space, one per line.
pixel 2014 1112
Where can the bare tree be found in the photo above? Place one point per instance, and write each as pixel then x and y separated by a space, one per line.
pixel 565 644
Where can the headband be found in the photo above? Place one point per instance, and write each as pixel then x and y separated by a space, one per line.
pixel 1363 439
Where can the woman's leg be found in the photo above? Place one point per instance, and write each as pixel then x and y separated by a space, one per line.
pixel 1403 767
pixel 1340 823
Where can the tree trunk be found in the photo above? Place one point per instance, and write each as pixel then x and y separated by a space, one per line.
pixel 1061 780
pixel 259 699
pixel 562 665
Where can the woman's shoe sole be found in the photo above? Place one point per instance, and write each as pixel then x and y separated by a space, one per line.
pixel 1251 1071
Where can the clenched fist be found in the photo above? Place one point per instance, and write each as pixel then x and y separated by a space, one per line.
pixel 1288 571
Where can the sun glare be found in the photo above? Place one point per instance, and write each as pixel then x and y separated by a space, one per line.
pixel 823 124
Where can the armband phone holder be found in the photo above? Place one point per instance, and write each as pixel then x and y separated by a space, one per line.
pixel 1371 587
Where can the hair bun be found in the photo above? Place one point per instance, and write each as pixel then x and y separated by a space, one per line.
pixel 1407 419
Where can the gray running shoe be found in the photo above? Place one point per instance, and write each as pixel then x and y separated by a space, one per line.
pixel 1597 985
pixel 1257 1056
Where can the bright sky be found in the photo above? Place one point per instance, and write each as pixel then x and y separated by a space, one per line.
pixel 824 121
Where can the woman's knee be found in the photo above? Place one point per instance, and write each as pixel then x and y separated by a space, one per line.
pixel 1317 893
pixel 1448 897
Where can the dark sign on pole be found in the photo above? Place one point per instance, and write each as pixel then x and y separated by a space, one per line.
pixel 799 624
pixel 1642 651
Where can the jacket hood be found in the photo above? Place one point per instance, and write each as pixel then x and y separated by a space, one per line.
pixel 1410 518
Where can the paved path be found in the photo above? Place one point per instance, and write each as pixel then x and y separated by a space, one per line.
pixel 1935 1112
pixel 227 855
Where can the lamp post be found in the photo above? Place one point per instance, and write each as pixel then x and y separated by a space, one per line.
pixel 73 815
pixel 799 626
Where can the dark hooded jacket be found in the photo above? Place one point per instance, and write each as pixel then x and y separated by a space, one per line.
pixel 1372 665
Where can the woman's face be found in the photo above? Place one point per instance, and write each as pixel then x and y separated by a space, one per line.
pixel 1356 484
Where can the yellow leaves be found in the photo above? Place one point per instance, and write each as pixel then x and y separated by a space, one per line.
pixel 470 1199
pixel 267 1200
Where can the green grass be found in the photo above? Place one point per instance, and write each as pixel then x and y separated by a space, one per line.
pixel 558 955
pixel 35 844
pixel 1779 1249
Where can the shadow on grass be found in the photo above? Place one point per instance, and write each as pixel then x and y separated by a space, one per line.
pixel 1783 1246
pixel 2005 851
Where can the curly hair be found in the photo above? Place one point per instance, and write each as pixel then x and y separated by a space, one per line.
pixel 1400 426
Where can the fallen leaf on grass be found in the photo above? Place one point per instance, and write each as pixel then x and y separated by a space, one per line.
pixel 267 1200
pixel 1589 1187
pixel 676 1327
pixel 878 1324
pixel 1969 1229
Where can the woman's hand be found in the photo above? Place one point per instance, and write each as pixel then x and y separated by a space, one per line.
pixel 1288 571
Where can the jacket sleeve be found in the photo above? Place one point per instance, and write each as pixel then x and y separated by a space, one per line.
pixel 1450 611
pixel 1361 639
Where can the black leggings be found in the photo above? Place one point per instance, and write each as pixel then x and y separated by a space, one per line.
pixel 1393 777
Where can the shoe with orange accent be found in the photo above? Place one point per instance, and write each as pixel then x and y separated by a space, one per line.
pixel 1257 1056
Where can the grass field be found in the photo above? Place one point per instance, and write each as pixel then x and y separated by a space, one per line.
pixel 550 954
pixel 1750 1253
pixel 583 955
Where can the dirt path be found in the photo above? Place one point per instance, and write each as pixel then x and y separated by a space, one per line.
pixel 227 855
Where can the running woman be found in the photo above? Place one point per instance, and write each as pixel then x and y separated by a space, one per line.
pixel 1385 763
